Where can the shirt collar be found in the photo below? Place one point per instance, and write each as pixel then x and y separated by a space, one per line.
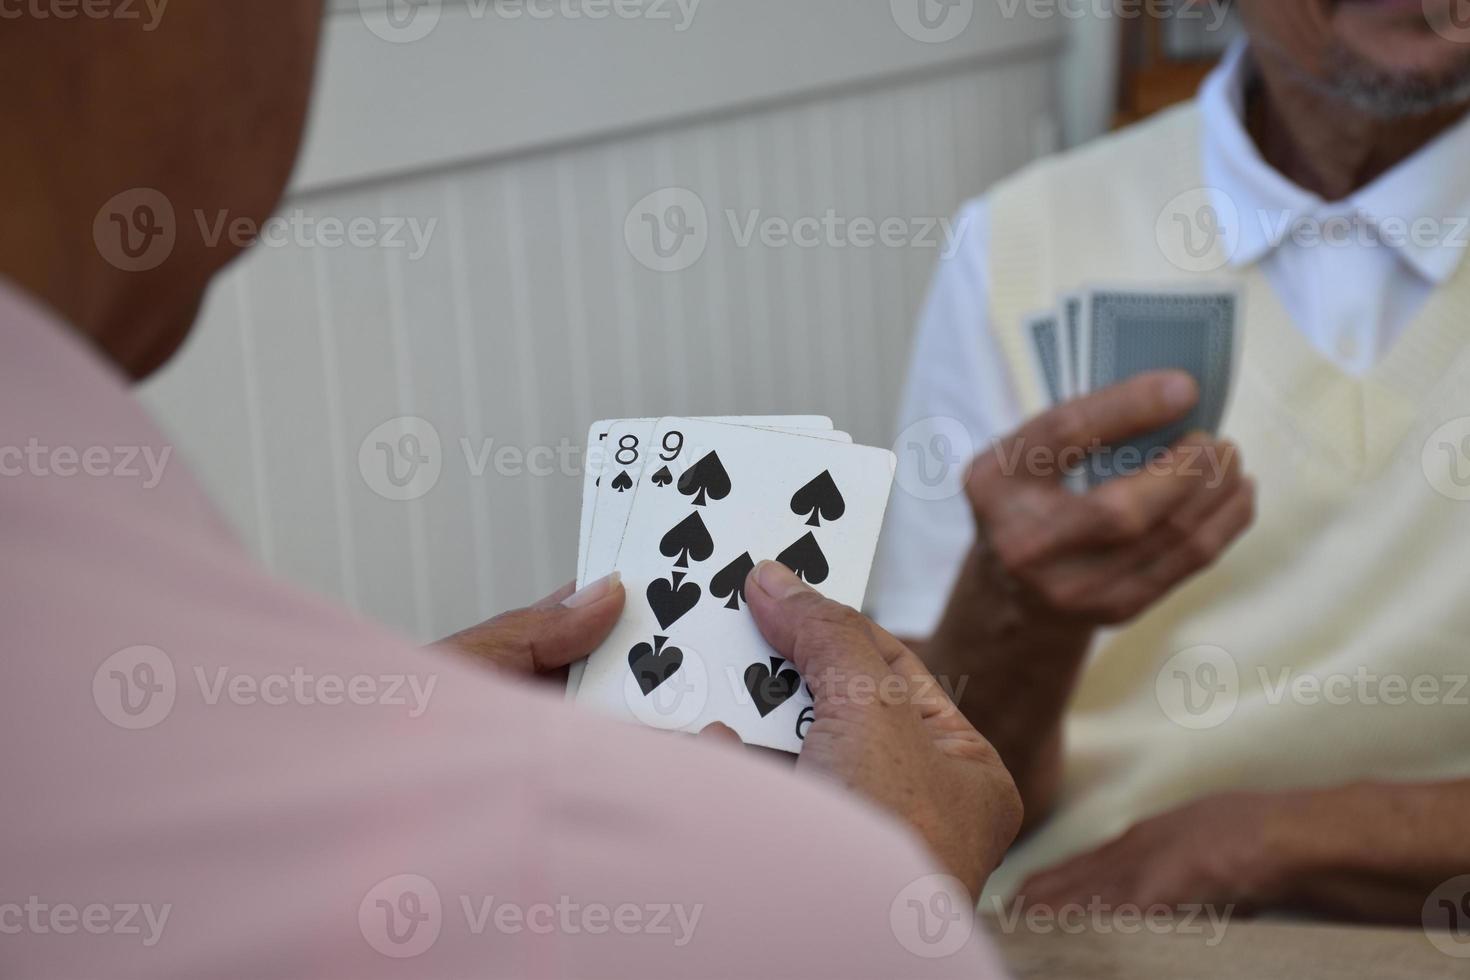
pixel 1432 188
pixel 1432 184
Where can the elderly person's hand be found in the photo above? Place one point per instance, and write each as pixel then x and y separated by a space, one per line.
pixel 1103 557
pixel 883 727
pixel 547 637
pixel 1220 850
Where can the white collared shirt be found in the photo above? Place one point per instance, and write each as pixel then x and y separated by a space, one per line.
pixel 1351 275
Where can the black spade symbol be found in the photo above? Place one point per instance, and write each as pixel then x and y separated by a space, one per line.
pixel 729 583
pixel 706 480
pixel 623 483
pixel 663 477
pixel 671 601
pixel 653 665
pixel 770 687
pixel 821 499
pixel 805 558
pixel 689 540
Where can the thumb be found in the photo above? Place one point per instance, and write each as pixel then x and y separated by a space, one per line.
pixel 717 732
pixel 551 634
pixel 826 640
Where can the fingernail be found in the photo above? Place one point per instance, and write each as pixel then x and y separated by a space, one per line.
pixel 778 581
pixel 1180 391
pixel 593 592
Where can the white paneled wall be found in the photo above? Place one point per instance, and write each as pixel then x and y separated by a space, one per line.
pixel 527 316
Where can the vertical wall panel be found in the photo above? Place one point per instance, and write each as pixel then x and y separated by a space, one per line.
pixel 528 317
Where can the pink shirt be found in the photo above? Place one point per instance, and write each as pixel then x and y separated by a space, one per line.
pixel 205 773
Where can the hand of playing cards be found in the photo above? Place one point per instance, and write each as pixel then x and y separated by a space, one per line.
pixel 684 509
pixel 1101 337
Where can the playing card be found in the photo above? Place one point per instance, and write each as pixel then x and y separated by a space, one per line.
pixel 1131 332
pixel 686 652
pixel 617 449
pixel 632 457
pixel 1070 338
pixel 1047 356
pixel 597 437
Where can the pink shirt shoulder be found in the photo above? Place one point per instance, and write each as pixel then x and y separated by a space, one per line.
pixel 207 774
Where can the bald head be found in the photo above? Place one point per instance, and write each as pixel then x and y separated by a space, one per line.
pixel 124 128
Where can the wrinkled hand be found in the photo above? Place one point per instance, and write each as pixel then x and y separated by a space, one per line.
pixel 1106 556
pixel 1216 851
pixel 884 728
pixel 557 631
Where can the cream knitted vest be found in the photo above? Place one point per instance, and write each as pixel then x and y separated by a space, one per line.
pixel 1332 643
